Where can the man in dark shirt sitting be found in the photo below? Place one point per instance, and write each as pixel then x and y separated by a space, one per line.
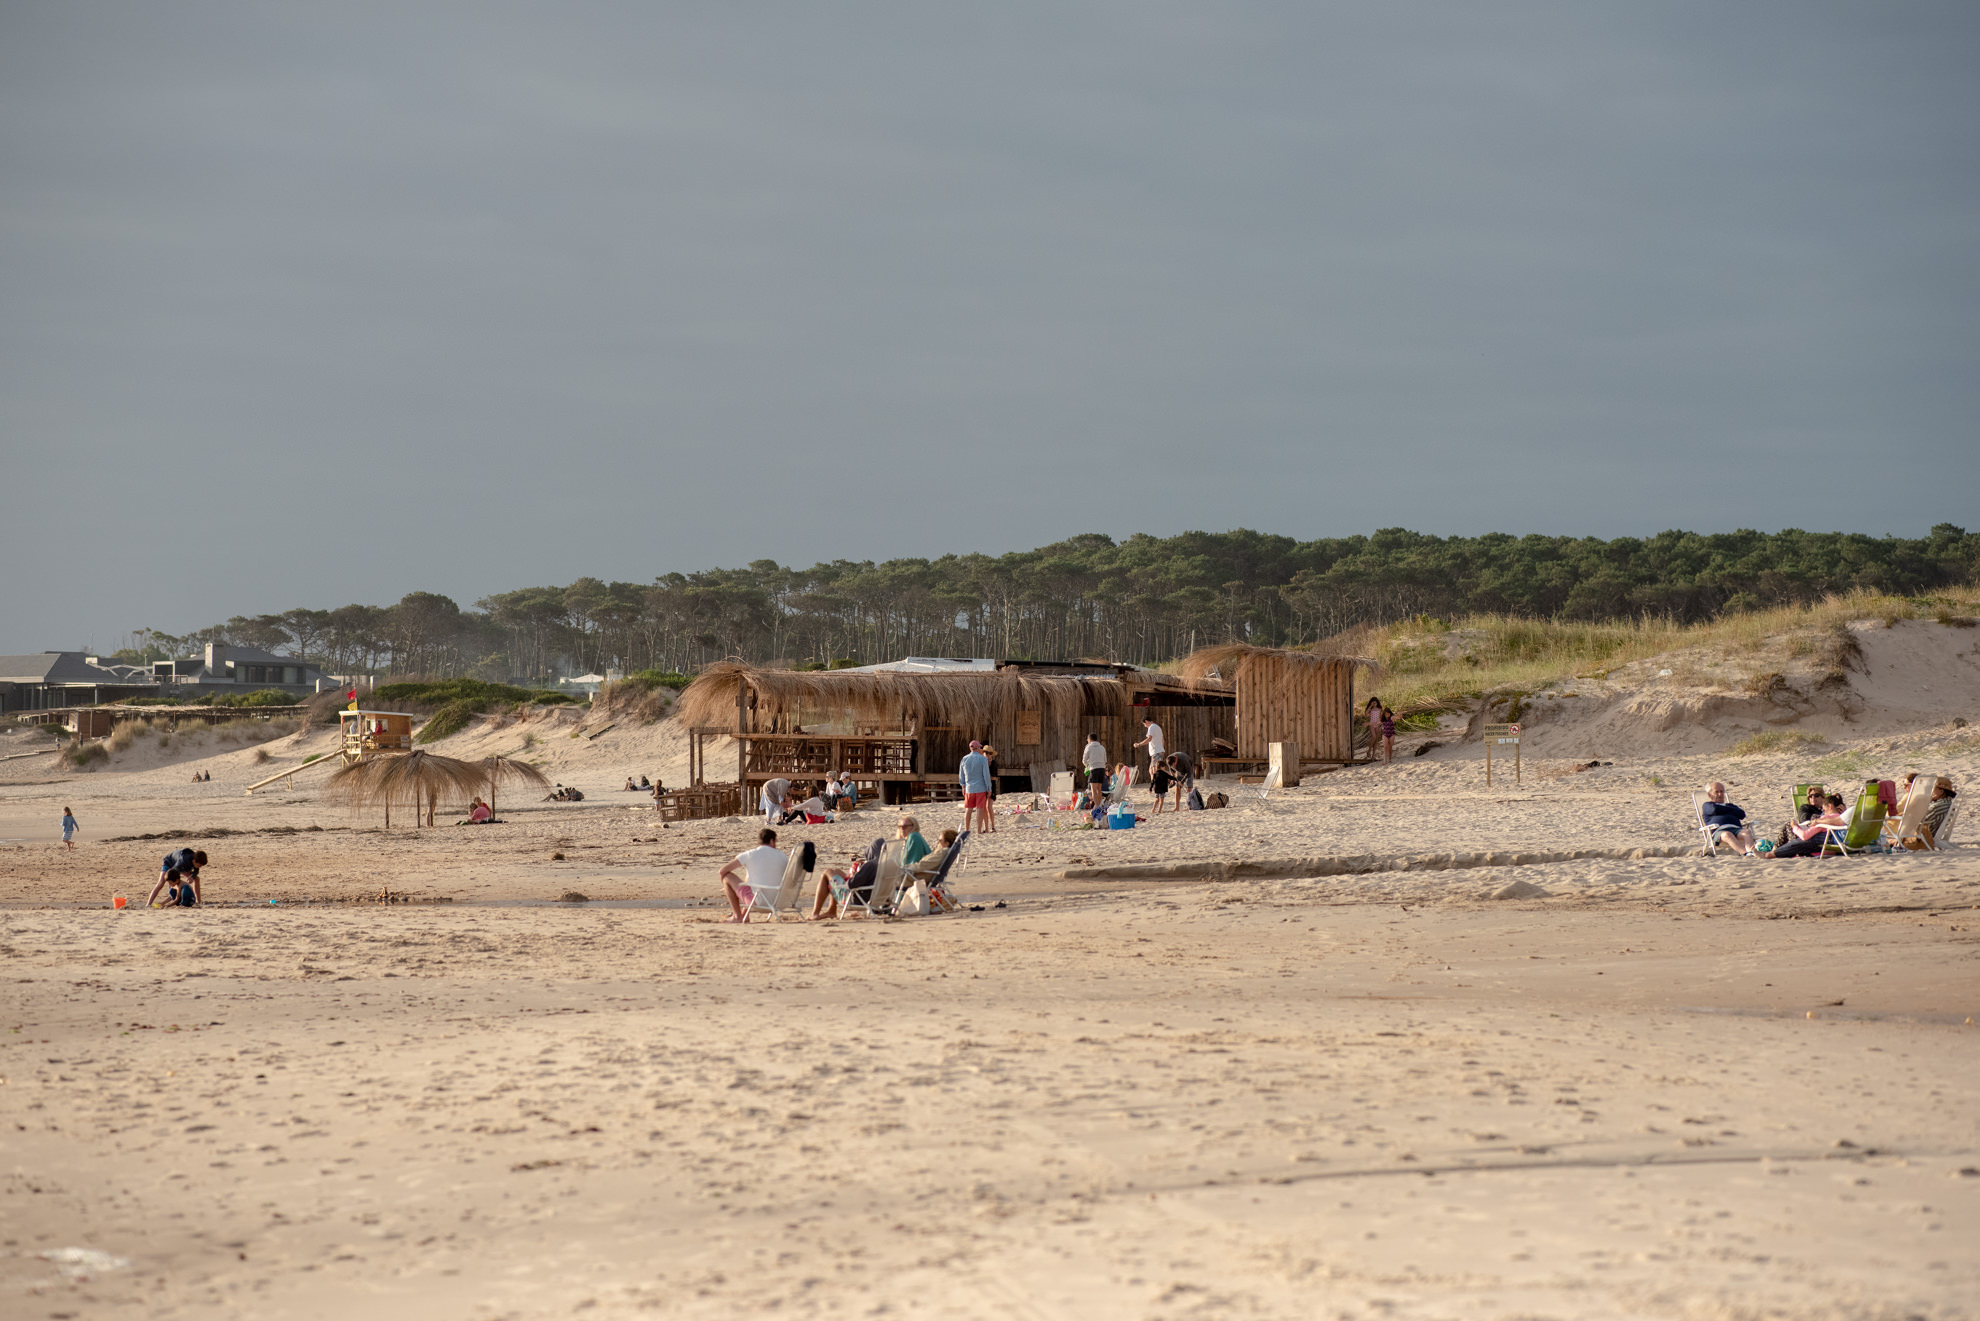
pixel 1726 821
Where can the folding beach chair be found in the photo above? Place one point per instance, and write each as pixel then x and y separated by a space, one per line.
pixel 1905 825
pixel 937 879
pixel 788 894
pixel 1943 835
pixel 1866 825
pixel 1698 800
pixel 887 877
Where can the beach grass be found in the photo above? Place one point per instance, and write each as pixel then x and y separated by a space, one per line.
pixel 1427 661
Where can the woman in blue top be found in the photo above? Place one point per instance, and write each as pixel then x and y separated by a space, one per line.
pixel 69 828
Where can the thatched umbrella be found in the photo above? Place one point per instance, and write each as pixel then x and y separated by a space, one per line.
pixel 420 778
pixel 497 769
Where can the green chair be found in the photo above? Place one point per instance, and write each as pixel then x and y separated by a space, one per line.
pixel 1866 824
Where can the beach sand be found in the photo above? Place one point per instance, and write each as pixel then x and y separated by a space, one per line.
pixel 1661 1086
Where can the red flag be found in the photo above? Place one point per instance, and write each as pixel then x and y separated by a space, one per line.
pixel 352 694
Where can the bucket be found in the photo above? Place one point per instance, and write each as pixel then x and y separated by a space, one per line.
pixel 118 901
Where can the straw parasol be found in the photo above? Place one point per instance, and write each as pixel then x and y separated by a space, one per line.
pixel 887 699
pixel 419 778
pixel 496 769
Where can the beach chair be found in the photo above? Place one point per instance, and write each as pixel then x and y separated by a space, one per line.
pixel 1943 836
pixel 942 874
pixel 1866 825
pixel 1905 825
pixel 888 874
pixel 1698 800
pixel 786 897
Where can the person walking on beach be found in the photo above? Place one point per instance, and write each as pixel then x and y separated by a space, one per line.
pixel 1152 740
pixel 69 828
pixel 974 777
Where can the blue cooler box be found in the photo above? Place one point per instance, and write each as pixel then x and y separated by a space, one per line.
pixel 1120 820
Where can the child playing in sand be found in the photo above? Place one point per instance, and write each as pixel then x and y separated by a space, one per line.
pixel 69 828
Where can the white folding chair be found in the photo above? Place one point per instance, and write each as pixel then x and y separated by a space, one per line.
pixel 1904 826
pixel 1698 800
pixel 886 885
pixel 786 897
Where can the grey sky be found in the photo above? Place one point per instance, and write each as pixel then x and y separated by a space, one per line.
pixel 310 304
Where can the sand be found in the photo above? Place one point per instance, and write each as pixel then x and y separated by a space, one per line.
pixel 1652 1084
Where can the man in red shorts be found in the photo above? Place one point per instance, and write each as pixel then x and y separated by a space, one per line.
pixel 974 776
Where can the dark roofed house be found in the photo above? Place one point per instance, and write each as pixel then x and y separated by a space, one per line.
pixel 64 678
pixel 248 669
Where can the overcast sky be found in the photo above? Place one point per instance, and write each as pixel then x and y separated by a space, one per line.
pixel 312 304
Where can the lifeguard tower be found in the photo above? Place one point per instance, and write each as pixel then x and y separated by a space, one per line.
pixel 368 733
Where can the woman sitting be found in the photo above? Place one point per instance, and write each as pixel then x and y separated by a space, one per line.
pixel 1814 832
pixel 480 813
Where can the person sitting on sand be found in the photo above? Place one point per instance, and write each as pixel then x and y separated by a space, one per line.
pixel 814 810
pixel 645 783
pixel 1726 821
pixel 479 813
pixel 178 875
pixel 752 871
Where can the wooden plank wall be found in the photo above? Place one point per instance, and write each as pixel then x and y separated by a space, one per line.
pixel 1309 705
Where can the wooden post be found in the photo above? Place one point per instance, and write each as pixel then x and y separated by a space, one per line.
pixel 742 745
pixel 1284 772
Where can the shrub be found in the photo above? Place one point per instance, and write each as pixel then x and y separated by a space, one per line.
pixel 448 720
pixel 84 755
pixel 260 697
pixel 1775 740
pixel 261 756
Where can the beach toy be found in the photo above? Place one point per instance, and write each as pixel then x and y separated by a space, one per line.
pixel 118 901
pixel 271 902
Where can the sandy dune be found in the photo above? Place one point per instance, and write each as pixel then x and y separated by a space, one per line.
pixel 1661 1086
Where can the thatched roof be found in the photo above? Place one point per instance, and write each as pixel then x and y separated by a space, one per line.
pixel 1233 661
pixel 411 780
pixel 966 698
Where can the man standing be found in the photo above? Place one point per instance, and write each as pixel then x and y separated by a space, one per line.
pixel 1094 758
pixel 1153 741
pixel 753 871
pixel 180 871
pixel 974 777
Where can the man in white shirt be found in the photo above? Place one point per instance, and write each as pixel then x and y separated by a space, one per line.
pixel 1153 742
pixel 1094 758
pixel 753 871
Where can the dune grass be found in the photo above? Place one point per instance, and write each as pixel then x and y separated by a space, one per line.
pixel 1775 740
pixel 1428 661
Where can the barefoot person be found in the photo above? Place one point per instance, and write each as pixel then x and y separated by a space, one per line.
pixel 69 828
pixel 974 777
pixel 1152 740
pixel 1726 821
pixel 752 870
pixel 178 874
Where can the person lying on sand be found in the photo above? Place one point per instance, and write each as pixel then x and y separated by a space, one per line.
pixel 753 870
pixel 178 874
pixel 1726 821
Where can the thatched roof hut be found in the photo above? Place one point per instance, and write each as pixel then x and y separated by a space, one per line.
pixel 905 726
pixel 419 780
pixel 1285 696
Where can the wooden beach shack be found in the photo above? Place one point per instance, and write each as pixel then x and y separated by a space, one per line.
pixel 1284 696
pixel 901 729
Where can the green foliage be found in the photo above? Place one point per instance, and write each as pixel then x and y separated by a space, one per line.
pixel 84 755
pixel 260 697
pixel 1775 740
pixel 151 701
pixel 646 680
pixel 54 730
pixel 460 700
pixel 485 695
pixel 1840 766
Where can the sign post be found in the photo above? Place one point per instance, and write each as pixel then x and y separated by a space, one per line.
pixel 1499 736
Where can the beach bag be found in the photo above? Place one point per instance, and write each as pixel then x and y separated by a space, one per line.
pixel 914 902
pixel 1217 800
pixel 1195 800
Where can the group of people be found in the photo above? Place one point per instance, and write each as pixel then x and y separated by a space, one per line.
pixel 762 869
pixel 1381 729
pixel 781 806
pixel 202 777
pixel 1168 772
pixel 1818 817
pixel 644 786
